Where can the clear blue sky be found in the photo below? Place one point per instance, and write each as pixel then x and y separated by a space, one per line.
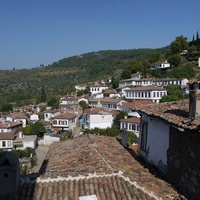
pixel 35 32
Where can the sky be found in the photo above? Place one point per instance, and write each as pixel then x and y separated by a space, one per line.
pixel 40 32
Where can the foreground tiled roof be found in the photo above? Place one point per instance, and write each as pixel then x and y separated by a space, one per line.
pixel 94 165
pixel 175 113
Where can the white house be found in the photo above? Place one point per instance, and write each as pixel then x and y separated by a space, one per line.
pixel 160 65
pixel 48 114
pixel 136 76
pixel 34 117
pixel 97 89
pixel 72 100
pixel 80 86
pixel 107 103
pixel 6 140
pixel 18 117
pixel 24 141
pixel 15 127
pixel 97 118
pixel 131 124
pixel 149 92
pixel 65 121
pixel 164 82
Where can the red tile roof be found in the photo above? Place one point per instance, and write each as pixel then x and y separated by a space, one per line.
pixel 64 116
pixel 137 103
pixel 146 88
pixel 7 136
pixel 131 120
pixel 98 165
pixel 96 111
pixel 9 124
pixel 175 113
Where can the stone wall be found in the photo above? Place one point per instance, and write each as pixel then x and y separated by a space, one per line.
pixel 184 162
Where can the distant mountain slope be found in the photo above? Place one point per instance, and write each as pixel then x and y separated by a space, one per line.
pixel 60 76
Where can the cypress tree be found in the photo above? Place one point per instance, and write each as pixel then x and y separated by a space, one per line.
pixel 197 40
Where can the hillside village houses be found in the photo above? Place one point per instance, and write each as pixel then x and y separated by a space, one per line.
pixel 155 131
pixel 160 65
pixel 97 118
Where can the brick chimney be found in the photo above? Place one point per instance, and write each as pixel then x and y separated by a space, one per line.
pixel 194 98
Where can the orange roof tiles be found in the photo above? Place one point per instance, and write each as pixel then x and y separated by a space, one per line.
pixel 176 113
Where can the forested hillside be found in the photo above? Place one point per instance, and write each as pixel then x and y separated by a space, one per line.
pixel 59 78
pixel 24 86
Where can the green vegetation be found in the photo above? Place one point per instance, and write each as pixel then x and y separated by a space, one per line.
pixel 118 117
pixel 28 86
pixel 174 93
pixel 113 131
pixel 34 129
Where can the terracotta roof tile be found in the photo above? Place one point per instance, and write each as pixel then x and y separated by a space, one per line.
pixel 131 120
pixel 94 165
pixel 7 136
pixel 176 113
pixel 137 103
pixel 64 116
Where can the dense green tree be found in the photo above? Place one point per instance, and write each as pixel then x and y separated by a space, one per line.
pixel 83 105
pixel 174 59
pixel 178 45
pixel 174 93
pixel 114 82
pixel 120 115
pixel 6 107
pixel 26 130
pixel 53 102
pixel 37 129
pixel 131 138
pixel 154 57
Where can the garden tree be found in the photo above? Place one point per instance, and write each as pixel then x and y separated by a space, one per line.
pixel 146 70
pixel 37 129
pixel 178 45
pixel 82 92
pixel 83 105
pixel 175 59
pixel 6 107
pixel 186 71
pixel 131 138
pixel 132 67
pixel 114 82
pixel 26 130
pixel 174 93
pixel 110 131
pixel 154 57
pixel 53 102
pixel 120 115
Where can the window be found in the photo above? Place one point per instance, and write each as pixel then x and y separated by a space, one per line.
pixel 133 127
pixel 143 143
pixel 9 143
pixel 3 143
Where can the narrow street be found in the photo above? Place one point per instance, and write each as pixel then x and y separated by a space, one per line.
pixel 41 152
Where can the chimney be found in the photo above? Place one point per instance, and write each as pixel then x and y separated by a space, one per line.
pixel 9 176
pixel 194 98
